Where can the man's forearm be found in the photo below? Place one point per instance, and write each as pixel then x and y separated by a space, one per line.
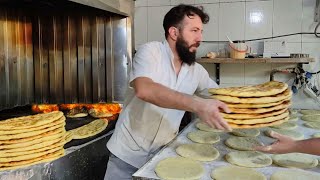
pixel 167 98
pixel 309 146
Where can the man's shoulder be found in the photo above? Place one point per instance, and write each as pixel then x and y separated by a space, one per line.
pixel 156 45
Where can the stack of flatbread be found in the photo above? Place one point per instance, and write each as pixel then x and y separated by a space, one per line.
pixel 255 106
pixel 31 139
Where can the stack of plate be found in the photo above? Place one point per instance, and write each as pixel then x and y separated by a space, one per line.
pixel 31 139
pixel 255 106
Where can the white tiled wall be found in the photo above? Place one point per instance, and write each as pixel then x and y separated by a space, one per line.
pixel 242 19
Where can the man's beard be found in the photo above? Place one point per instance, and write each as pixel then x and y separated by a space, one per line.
pixel 184 53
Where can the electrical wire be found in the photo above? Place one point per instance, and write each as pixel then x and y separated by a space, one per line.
pixel 316 29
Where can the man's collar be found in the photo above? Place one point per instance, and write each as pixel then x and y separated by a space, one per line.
pixel 168 50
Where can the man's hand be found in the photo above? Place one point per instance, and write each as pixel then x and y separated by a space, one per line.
pixel 284 144
pixel 209 112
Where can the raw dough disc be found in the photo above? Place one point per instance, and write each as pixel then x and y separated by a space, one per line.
pixel 200 152
pixel 291 133
pixel 294 174
pixel 297 160
pixel 205 127
pixel 242 143
pixel 203 137
pixel 176 168
pixel 315 118
pixel 313 125
pixel 251 159
pixel 230 172
pixel 246 132
pixel 309 112
pixel 286 125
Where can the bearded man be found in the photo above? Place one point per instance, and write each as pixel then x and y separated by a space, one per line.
pixel 163 79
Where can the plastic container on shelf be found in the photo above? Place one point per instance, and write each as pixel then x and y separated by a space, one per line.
pixel 238 50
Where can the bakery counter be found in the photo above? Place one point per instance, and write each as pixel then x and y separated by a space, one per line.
pixel 147 171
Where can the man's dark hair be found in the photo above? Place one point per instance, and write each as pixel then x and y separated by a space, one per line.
pixel 175 16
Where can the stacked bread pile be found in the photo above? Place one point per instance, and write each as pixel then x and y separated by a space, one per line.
pixel 31 139
pixel 255 106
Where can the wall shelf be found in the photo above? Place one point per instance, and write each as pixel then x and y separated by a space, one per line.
pixel 218 61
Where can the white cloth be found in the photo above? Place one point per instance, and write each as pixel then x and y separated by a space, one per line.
pixel 142 127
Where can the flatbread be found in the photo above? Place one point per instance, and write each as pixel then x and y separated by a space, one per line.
pixel 91 129
pixel 99 114
pixel 294 174
pixel 33 139
pixel 246 132
pixel 284 105
pixel 258 120
pixel 242 143
pixel 30 121
pixel 4 160
pixel 204 127
pixel 68 136
pixel 309 112
pixel 241 173
pixel 254 100
pixel 203 137
pixel 179 168
pixel 291 133
pixel 315 118
pixel 31 145
pixel 255 116
pixel 286 125
pixel 32 133
pixel 313 125
pixel 296 160
pixel 251 159
pixel 45 158
pixel 200 152
pixel 265 89
pixel 259 125
pixel 262 105
pixel 17 131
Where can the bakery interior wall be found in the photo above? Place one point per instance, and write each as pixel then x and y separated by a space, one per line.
pixel 232 18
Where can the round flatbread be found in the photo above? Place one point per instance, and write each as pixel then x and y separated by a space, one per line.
pixel 310 112
pixel 179 168
pixel 91 129
pixel 286 125
pixel 203 137
pixel 230 172
pixel 313 125
pixel 294 174
pixel 252 159
pixel 265 89
pixel 242 143
pixel 251 105
pixel 291 133
pixel 259 125
pixel 254 100
pixel 315 118
pixel 200 152
pixel 274 114
pixel 284 105
pixel 204 127
pixel 297 160
pixel 246 132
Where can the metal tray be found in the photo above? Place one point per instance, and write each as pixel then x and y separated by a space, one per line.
pixel 147 171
